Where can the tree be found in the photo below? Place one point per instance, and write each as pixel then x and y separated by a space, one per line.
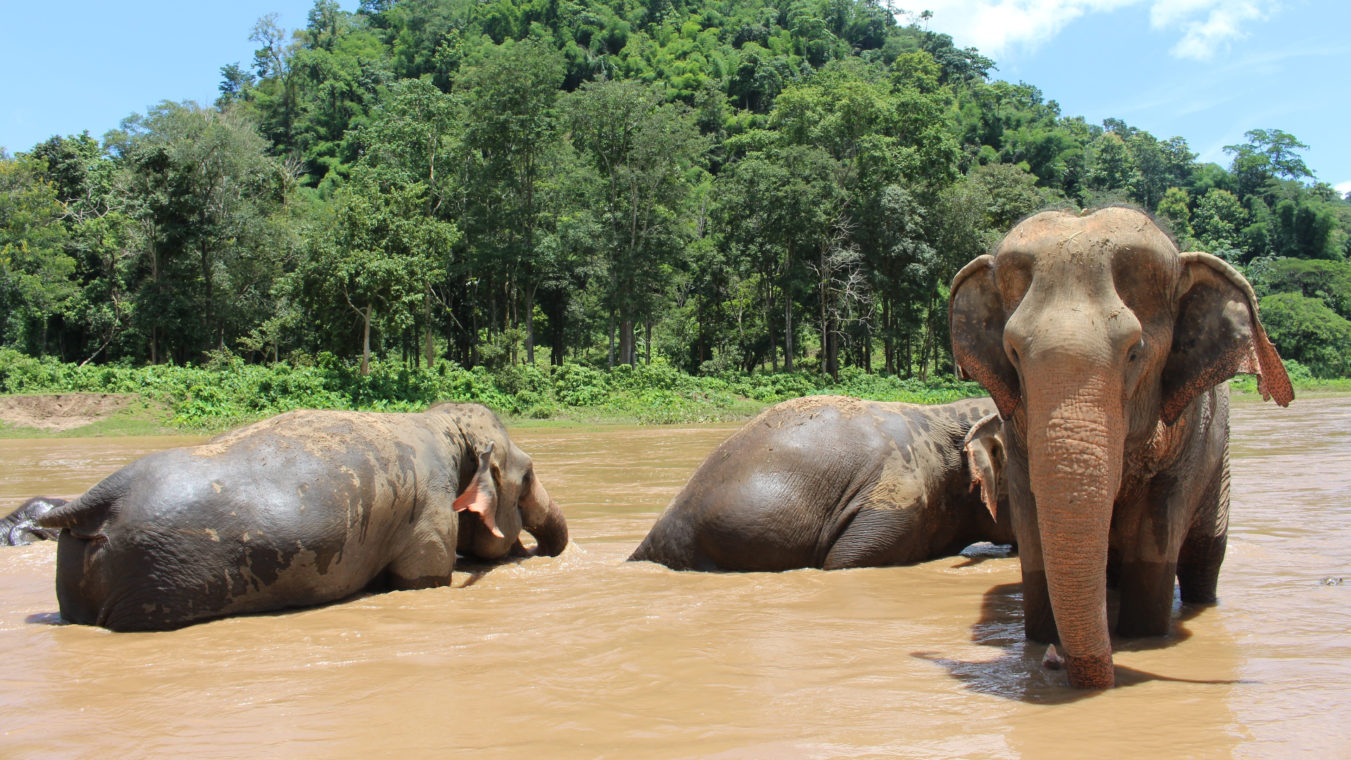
pixel 1217 220
pixel 1268 154
pixel 643 150
pixel 34 268
pixel 204 191
pixel 781 210
pixel 510 100
pixel 1173 211
pixel 375 258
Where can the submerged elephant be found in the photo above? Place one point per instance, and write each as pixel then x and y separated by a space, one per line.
pixel 833 482
pixel 20 526
pixel 301 509
pixel 1105 350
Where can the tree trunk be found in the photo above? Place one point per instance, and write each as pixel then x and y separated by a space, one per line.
pixel 529 318
pixel 366 342
pixel 429 351
pixel 611 334
pixel 627 350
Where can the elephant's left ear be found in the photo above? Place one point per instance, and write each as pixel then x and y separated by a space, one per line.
pixel 480 496
pixel 976 320
pixel 1218 335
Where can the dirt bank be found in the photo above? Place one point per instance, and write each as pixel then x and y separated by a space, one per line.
pixel 61 411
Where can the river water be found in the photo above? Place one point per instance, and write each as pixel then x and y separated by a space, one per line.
pixel 586 656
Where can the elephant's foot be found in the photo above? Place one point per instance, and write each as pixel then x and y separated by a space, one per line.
pixel 1093 672
pixel 1198 569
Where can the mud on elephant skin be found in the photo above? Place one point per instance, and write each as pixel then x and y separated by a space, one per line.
pixel 304 508
pixel 1105 350
pixel 20 527
pixel 833 482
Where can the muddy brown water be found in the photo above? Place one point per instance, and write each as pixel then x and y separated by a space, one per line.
pixel 586 656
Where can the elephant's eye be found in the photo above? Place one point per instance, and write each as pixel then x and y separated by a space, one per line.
pixel 1136 350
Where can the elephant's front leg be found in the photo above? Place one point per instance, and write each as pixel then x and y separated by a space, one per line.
pixel 1038 616
pixel 1147 538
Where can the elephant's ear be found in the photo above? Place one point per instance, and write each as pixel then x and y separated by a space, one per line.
pixel 976 319
pixel 1217 335
pixel 480 497
pixel 985 458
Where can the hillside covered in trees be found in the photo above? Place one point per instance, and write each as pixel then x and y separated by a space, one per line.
pixel 721 186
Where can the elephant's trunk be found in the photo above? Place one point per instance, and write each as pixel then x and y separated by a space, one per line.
pixel 1075 443
pixel 544 520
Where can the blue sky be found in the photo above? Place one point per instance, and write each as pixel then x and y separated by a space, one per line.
pixel 1205 70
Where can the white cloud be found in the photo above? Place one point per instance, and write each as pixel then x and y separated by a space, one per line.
pixel 1343 187
pixel 1207 27
pixel 994 26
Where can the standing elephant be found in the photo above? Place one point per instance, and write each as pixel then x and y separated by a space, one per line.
pixel 20 526
pixel 301 509
pixel 1105 350
pixel 832 482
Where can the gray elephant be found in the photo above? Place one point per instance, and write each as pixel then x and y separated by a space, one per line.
pixel 833 482
pixel 20 526
pixel 301 509
pixel 1105 350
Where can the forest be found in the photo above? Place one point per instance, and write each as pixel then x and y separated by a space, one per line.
pixel 724 188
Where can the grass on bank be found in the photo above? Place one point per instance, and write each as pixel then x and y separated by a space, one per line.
pixel 227 392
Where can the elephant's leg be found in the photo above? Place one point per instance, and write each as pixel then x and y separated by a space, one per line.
pixel 1038 616
pixel 1146 590
pixel 1198 563
pixel 874 538
pixel 1198 567
pixel 428 559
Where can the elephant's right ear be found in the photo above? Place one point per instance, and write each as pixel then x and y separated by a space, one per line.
pixel 480 497
pixel 1217 335
pixel 985 458
pixel 976 320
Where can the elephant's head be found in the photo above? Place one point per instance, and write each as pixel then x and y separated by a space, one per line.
pixel 1093 334
pixel 500 489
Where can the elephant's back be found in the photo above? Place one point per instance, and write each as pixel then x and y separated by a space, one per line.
pixel 767 497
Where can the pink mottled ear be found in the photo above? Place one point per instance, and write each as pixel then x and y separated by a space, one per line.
pixel 985 458
pixel 1217 335
pixel 480 496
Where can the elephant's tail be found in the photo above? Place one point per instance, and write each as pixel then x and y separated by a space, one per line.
pixel 87 513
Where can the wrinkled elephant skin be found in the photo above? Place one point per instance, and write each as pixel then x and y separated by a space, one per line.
pixel 834 482
pixel 1105 350
pixel 304 508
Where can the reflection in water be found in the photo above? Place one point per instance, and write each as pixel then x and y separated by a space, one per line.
pixel 586 656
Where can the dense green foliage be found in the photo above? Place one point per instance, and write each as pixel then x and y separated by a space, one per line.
pixel 425 186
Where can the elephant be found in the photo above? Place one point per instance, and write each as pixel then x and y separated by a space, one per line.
pixel 1106 352
pixel 20 526
pixel 304 508
pixel 834 482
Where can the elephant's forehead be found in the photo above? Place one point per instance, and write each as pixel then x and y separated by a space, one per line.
pixel 1091 239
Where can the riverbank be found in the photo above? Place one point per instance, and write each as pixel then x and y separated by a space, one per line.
pixel 41 398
